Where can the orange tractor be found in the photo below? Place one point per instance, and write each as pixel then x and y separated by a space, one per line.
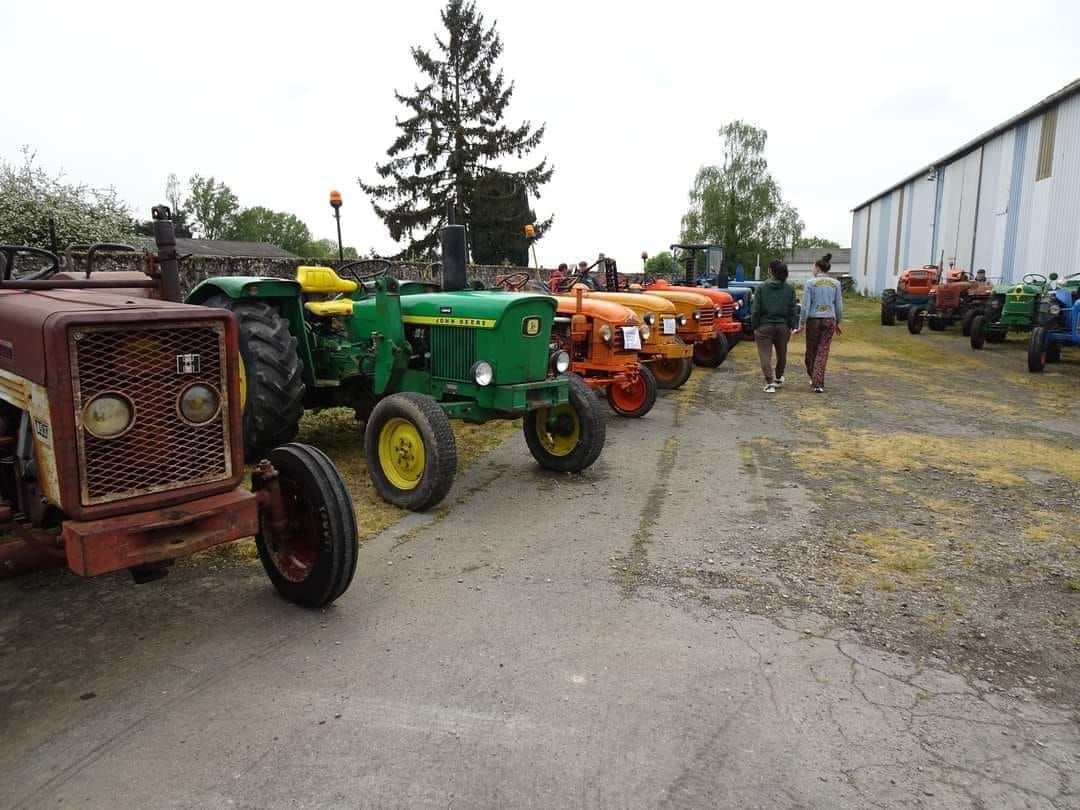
pixel 958 298
pixel 728 330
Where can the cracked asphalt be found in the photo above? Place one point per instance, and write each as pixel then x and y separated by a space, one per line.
pixel 546 642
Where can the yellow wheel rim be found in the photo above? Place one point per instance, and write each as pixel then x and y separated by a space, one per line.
pixel 401 453
pixel 243 383
pixel 562 441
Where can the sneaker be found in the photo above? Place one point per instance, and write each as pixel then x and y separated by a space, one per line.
pixel 780 381
pixel 770 388
pixel 818 389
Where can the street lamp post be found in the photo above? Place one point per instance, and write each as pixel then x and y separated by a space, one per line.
pixel 335 203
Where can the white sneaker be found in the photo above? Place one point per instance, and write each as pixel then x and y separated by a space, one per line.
pixel 770 388
pixel 780 381
pixel 818 389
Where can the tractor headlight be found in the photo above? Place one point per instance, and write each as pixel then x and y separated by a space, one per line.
pixel 738 303
pixel 605 333
pixel 681 320
pixel 650 319
pixel 199 403
pixel 645 331
pixel 107 416
pixel 1055 309
pixel 697 314
pixel 483 373
pixel 560 362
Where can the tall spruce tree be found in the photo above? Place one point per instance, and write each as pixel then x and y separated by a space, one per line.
pixel 453 136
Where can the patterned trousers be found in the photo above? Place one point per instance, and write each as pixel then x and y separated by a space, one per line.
pixel 819 335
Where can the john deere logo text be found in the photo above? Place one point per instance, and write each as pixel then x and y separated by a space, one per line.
pixel 445 320
pixel 530 327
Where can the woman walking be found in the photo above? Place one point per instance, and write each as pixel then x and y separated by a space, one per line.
pixel 822 310
pixel 772 316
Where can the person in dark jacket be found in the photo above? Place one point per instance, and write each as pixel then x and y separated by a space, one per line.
pixel 773 315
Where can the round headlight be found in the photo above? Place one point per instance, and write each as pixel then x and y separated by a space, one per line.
pixel 1055 309
pixel 697 314
pixel 107 416
pixel 560 361
pixel 605 333
pixel 645 331
pixel 681 319
pixel 483 373
pixel 199 403
pixel 650 318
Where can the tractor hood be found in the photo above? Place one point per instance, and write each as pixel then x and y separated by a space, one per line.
pixel 717 296
pixel 482 309
pixel 639 302
pixel 26 316
pixel 609 311
pixel 1018 289
pixel 694 299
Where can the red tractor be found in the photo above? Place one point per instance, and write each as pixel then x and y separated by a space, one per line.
pixel 959 298
pixel 121 437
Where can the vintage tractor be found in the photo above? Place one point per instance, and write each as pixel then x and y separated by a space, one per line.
pixel 1059 322
pixel 912 290
pixel 725 321
pixel 958 298
pixel 121 438
pixel 407 361
pixel 1011 308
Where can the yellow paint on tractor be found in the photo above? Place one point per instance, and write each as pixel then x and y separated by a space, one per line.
pixel 401 453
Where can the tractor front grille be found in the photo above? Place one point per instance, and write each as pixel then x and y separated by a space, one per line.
pixel 453 352
pixel 151 367
pixel 727 310
pixel 706 317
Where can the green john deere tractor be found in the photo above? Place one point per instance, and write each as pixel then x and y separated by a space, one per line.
pixel 406 364
pixel 1011 308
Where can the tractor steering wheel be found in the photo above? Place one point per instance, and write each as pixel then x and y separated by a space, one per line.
pixel 513 282
pixel 1034 278
pixel 381 269
pixel 7 266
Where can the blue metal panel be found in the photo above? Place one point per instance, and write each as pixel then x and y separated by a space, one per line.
pixel 1012 222
pixel 856 243
pixel 884 220
pixel 939 194
pixel 905 236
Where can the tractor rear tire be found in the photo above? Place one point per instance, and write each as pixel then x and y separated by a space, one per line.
pixel 273 373
pixel 915 320
pixel 968 320
pixel 711 353
pixel 636 400
pixel 580 435
pixel 978 332
pixel 1037 350
pixel 410 450
pixel 672 374
pixel 888 308
pixel 314 565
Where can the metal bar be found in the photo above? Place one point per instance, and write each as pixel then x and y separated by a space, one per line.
pixel 70 284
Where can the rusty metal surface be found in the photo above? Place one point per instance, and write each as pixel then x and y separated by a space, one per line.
pixel 99 546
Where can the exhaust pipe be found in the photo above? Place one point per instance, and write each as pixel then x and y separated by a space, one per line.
pixel 453 258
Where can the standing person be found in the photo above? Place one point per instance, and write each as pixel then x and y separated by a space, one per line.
pixel 822 310
pixel 773 315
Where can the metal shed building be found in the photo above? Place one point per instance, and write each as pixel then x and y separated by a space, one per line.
pixel 1008 201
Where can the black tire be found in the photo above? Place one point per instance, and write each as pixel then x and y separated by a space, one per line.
pixel 1053 353
pixel 317 561
pixel 969 319
pixel 711 353
pixel 421 487
pixel 978 332
pixel 915 320
pixel 672 374
pixel 274 371
pixel 589 423
pixel 1036 355
pixel 996 335
pixel 647 388
pixel 938 324
pixel 888 308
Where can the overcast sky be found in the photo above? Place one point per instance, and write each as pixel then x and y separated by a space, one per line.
pixel 285 101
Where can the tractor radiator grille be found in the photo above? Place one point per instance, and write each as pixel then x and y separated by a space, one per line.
pixel 707 317
pixel 727 310
pixel 160 451
pixel 453 352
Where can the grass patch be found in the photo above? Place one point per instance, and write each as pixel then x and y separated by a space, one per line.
pixel 897 550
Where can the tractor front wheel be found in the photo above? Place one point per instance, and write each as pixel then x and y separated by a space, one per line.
pixel 978 332
pixel 410 450
pixel 271 375
pixel 672 373
pixel 969 319
pixel 711 353
pixel 569 437
pixel 310 559
pixel 1037 350
pixel 888 308
pixel 633 399
pixel 915 320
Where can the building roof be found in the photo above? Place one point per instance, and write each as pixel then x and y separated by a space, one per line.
pixel 811 255
pixel 228 248
pixel 1069 90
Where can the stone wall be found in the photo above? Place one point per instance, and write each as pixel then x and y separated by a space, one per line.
pixel 199 268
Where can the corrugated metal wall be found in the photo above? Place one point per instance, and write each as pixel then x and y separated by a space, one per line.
pixel 984 209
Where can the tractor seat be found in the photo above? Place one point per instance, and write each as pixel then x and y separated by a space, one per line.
pixel 330 309
pixel 323 281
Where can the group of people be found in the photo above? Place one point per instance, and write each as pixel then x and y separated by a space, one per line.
pixel 775 317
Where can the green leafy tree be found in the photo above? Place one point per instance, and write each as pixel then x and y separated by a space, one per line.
pixel 500 212
pixel 452 134
pixel 29 196
pixel 738 203
pixel 816 242
pixel 260 224
pixel 179 215
pixel 662 264
pixel 213 207
pixel 327 249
